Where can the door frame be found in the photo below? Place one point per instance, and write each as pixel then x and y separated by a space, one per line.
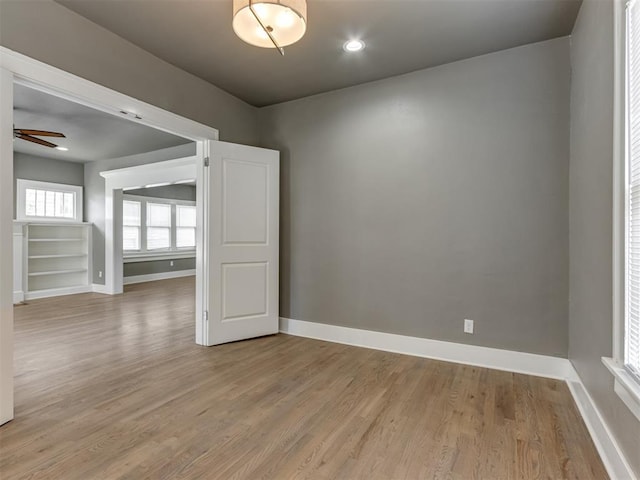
pixel 24 70
pixel 138 176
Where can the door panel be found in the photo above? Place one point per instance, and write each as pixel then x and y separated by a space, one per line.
pixel 243 245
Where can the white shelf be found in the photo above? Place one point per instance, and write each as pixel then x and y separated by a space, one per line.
pixel 56 239
pixel 57 272
pixel 56 259
pixel 64 255
pixel 55 224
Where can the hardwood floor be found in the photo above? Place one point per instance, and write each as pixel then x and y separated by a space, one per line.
pixel 115 388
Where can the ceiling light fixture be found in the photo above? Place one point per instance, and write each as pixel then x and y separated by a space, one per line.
pixel 62 149
pixel 353 46
pixel 270 23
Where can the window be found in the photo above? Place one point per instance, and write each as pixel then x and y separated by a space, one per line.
pixel 624 365
pixel 157 226
pixel 185 226
pixel 48 201
pixel 131 222
pixel 632 254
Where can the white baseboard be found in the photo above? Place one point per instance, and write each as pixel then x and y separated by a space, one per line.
pixel 519 362
pixel 57 292
pixel 18 297
pixel 158 276
pixel 510 361
pixel 614 461
pixel 97 288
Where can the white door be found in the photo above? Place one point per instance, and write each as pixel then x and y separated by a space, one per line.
pixel 242 221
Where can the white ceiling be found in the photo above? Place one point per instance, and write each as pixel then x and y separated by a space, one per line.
pixel 401 36
pixel 91 134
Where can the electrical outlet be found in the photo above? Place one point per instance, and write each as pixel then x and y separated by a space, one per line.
pixel 171 263
pixel 100 274
pixel 468 326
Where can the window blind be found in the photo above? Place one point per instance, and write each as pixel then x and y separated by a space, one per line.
pixel 186 226
pixel 632 324
pixel 131 222
pixel 158 226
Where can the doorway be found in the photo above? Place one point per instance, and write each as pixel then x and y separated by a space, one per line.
pixel 237 215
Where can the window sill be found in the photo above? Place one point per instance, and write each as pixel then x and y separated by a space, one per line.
pixel 153 257
pixel 625 386
pixel 50 221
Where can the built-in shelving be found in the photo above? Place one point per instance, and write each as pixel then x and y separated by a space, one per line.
pixel 55 240
pixel 64 255
pixel 56 259
pixel 57 272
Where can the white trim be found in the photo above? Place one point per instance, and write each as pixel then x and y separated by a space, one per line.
pixel 6 239
pixel 57 292
pixel 138 176
pixel 619 176
pixel 173 255
pixel 115 181
pixel 612 457
pixel 518 362
pixel 527 363
pixel 97 288
pixel 52 80
pixel 152 277
pixel 625 386
pixel 18 262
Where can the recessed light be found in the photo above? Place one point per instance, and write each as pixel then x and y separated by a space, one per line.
pixel 353 46
pixel 62 149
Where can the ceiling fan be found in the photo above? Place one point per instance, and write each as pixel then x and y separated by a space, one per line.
pixel 31 136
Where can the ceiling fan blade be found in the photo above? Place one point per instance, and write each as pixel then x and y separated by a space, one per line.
pixel 39 141
pixel 39 133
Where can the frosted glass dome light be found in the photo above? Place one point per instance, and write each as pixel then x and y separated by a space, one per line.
pixel 270 23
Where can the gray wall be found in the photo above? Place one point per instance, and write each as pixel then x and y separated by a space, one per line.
pixel 175 192
pixel 160 266
pixel 94 193
pixel 47 31
pixel 412 203
pixel 29 167
pixel 591 196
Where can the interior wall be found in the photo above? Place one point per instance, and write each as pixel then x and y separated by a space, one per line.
pixel 591 219
pixel 174 192
pixel 94 197
pixel 412 203
pixel 49 32
pixel 30 167
pixel 133 269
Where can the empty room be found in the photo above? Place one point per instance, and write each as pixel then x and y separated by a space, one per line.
pixel 321 239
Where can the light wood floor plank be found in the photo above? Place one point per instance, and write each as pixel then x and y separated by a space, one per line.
pixel 115 388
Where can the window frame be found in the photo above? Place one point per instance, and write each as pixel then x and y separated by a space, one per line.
pixel 177 227
pixel 22 185
pixel 139 226
pixel 157 254
pixel 171 227
pixel 626 384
